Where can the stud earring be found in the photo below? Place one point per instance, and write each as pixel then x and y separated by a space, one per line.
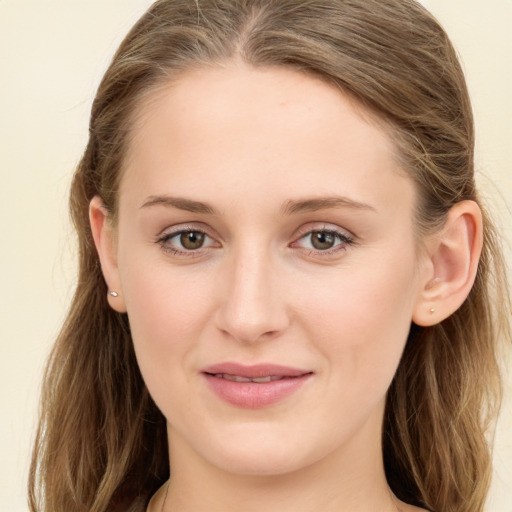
pixel 113 294
pixel 432 310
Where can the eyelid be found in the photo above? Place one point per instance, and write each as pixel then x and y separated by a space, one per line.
pixel 323 226
pixel 184 227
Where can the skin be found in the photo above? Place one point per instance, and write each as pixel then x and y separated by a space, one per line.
pixel 248 143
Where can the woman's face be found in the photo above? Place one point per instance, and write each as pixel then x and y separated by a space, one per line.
pixel 265 232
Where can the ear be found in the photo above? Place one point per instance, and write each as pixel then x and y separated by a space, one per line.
pixel 452 262
pixel 105 242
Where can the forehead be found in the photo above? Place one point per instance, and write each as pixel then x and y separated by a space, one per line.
pixel 269 130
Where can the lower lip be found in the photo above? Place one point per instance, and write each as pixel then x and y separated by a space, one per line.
pixel 255 395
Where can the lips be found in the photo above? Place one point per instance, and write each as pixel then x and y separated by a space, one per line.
pixel 238 378
pixel 256 386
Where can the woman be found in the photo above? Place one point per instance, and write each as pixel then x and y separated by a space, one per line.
pixel 284 297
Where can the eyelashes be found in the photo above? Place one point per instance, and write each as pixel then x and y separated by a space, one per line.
pixel 194 242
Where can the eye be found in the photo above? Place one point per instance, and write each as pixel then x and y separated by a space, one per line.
pixel 191 240
pixel 186 241
pixel 324 240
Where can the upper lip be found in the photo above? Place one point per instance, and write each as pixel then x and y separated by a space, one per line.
pixel 254 371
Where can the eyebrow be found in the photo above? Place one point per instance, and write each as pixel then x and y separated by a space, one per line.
pixel 290 207
pixel 322 203
pixel 180 203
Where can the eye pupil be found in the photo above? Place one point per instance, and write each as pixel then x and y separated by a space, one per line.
pixel 322 240
pixel 192 239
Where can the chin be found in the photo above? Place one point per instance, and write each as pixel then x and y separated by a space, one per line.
pixel 265 455
pixel 258 464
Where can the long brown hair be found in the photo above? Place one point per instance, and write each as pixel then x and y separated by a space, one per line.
pixel 101 442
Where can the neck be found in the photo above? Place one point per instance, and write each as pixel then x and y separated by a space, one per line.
pixel 340 482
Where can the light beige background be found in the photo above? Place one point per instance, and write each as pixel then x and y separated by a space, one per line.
pixel 52 56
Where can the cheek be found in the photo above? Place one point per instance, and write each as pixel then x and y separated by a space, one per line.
pixel 167 311
pixel 362 315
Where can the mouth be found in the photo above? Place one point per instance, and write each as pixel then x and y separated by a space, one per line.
pixel 254 387
pixel 239 378
pixel 258 371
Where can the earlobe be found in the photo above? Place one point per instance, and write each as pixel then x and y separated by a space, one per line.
pixel 453 255
pixel 104 240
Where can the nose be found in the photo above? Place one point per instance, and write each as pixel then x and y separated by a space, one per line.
pixel 252 307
